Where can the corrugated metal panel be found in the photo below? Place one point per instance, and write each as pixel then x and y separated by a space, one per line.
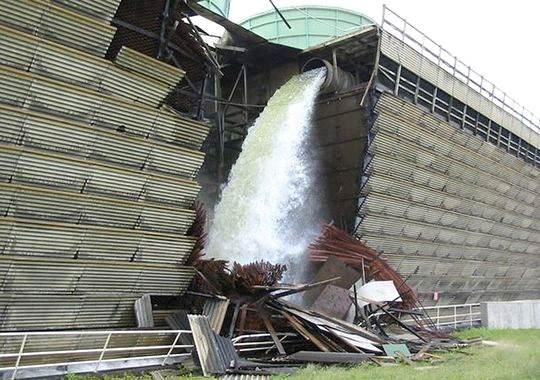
pixel 390 166
pixel 104 9
pixel 133 60
pixel 53 239
pixel 430 230
pixel 95 184
pixel 37 55
pixel 437 137
pixel 215 352
pixel 41 131
pixel 22 165
pixel 403 208
pixel 402 244
pixel 143 311
pixel 59 311
pixel 44 19
pixel 245 377
pixel 35 92
pixel 215 310
pixel 25 202
pixel 52 275
pixel 503 212
pixel 454 215
pixel 52 293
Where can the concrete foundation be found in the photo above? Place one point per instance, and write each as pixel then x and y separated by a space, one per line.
pixel 511 315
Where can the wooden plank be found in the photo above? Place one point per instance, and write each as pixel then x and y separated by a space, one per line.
pixel 273 333
pixel 304 332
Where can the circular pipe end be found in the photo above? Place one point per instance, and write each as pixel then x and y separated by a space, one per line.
pixel 336 79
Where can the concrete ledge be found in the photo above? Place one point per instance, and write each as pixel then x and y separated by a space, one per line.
pixel 511 315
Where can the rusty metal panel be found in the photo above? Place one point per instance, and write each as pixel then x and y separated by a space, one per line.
pixel 333 301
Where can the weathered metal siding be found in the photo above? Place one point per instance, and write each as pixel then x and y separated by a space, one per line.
pixel 56 61
pixel 104 9
pixel 97 177
pixel 45 19
pixel 453 214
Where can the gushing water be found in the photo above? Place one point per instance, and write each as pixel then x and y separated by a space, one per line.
pixel 265 211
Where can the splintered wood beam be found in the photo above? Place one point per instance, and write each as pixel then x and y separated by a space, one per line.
pixel 273 333
pixel 233 320
pixel 243 314
pixel 304 332
pixel 304 288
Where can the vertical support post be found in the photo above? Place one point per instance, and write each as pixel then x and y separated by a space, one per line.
pixel 21 349
pixel 246 114
pixel 417 90
pixel 103 352
pixel 201 98
pixel 455 316
pixel 363 272
pixel 434 100
pixel 470 315
pixel 438 315
pixel 233 321
pixel 398 78
pixel 356 308
pixel 163 31
pixel 172 348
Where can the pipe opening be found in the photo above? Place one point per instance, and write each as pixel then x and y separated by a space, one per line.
pixel 336 80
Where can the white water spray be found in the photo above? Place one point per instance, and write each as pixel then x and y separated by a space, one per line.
pixel 265 211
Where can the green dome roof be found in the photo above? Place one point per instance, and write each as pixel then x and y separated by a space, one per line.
pixel 311 25
pixel 221 7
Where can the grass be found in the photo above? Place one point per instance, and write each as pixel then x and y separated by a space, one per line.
pixel 516 356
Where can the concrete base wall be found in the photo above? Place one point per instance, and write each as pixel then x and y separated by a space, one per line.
pixel 511 315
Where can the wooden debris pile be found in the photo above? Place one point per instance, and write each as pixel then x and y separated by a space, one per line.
pixel 351 312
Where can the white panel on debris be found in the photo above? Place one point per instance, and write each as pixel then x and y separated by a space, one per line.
pixel 377 291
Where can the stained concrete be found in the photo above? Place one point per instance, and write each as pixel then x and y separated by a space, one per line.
pixel 511 315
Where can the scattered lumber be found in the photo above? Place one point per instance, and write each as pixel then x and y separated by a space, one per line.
pixel 245 322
